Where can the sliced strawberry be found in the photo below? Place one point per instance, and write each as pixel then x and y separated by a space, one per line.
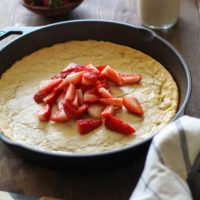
pixel 108 110
pixel 61 75
pixel 50 85
pixel 87 125
pixel 89 98
pixel 62 86
pixel 39 96
pixel 73 67
pixel 70 69
pixel 117 125
pixel 60 100
pixel 92 68
pixel 101 76
pixel 87 88
pixel 75 78
pixel 51 98
pixel 82 109
pixel 71 92
pixel 69 109
pixel 75 102
pixel 72 111
pixel 80 96
pixel 112 101
pixel 101 67
pixel 94 110
pixel 104 93
pixel 44 114
pixel 132 104
pixel 130 78
pixel 89 78
pixel 46 89
pixel 60 116
pixel 112 75
pixel 102 84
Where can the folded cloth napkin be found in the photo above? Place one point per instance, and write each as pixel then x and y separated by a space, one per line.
pixel 172 168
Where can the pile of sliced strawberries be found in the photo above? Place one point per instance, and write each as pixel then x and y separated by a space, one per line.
pixel 79 91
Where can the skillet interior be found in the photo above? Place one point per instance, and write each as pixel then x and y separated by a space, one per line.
pixel 138 38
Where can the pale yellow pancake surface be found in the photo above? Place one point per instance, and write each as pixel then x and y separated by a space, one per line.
pixel 157 93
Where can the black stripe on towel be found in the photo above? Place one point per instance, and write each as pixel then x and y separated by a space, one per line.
pixel 174 175
pixel 158 152
pixel 153 144
pixel 147 186
pixel 184 145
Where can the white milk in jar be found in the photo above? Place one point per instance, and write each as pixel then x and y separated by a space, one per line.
pixel 158 14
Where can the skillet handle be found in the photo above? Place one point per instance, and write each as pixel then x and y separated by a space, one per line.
pixel 6 32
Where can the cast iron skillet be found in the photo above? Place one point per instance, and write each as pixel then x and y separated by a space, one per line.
pixel 145 40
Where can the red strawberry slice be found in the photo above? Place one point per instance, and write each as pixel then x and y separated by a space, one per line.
pixel 108 110
pixel 69 109
pixel 45 90
pixel 51 98
pixel 73 67
pixel 60 116
pixel 129 79
pixel 69 68
pixel 87 88
pixel 112 75
pixel 44 114
pixel 112 101
pixel 101 76
pixel 117 125
pixel 132 105
pixel 80 96
pixel 71 92
pixel 90 97
pixel 102 84
pixel 62 86
pixel 92 68
pixel 60 100
pixel 82 109
pixel 75 101
pixel 39 96
pixel 75 78
pixel 89 78
pixel 104 93
pixel 72 111
pixel 87 125
pixel 101 67
pixel 94 110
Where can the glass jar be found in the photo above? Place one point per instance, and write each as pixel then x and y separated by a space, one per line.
pixel 158 14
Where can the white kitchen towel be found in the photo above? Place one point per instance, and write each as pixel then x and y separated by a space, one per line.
pixel 172 166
